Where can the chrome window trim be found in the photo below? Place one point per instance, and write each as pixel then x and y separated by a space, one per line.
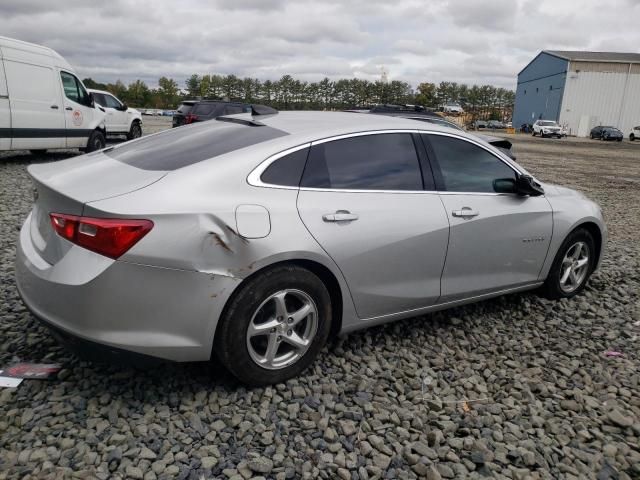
pixel 478 144
pixel 254 177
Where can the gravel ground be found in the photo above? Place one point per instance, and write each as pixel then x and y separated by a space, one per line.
pixel 517 387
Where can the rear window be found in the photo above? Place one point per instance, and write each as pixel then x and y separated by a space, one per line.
pixel 178 148
pixel 185 107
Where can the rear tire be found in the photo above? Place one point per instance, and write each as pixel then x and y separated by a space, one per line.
pixel 577 248
pixel 533 134
pixel 274 297
pixel 632 137
pixel 96 142
pixel 135 131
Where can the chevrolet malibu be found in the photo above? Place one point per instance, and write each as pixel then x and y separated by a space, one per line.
pixel 256 238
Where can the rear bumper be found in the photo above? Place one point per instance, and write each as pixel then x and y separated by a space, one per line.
pixel 157 312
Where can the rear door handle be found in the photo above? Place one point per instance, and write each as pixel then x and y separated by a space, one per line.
pixel 68 108
pixel 465 212
pixel 55 107
pixel 340 216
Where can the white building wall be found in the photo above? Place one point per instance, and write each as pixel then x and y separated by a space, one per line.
pixel 601 94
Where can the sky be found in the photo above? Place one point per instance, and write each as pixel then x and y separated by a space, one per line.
pixel 464 41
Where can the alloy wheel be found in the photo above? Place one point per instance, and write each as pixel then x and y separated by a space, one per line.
pixel 575 267
pixel 282 329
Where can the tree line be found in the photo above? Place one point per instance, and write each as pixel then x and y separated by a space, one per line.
pixel 288 93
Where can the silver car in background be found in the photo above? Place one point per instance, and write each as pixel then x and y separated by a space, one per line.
pixel 256 238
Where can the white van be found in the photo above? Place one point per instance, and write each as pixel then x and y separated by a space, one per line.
pixel 43 104
pixel 121 119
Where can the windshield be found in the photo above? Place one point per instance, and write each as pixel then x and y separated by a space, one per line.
pixel 548 124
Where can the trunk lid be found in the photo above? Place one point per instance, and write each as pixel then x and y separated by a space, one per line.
pixel 66 186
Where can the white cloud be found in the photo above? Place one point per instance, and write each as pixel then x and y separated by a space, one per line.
pixel 454 40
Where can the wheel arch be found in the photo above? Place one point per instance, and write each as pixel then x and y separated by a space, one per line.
pixel 595 232
pixel 325 275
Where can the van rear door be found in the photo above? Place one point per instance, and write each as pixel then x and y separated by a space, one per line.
pixel 37 119
pixel 78 112
pixel 5 112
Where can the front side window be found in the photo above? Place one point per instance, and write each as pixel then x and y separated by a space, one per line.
pixel 466 167
pixel 367 162
pixel 73 89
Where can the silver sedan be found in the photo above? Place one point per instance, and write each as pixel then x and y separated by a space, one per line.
pixel 256 238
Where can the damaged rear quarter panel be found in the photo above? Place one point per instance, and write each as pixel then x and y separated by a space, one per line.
pixel 195 229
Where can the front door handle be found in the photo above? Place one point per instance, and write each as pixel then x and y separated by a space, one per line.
pixel 340 216
pixel 465 213
pixel 68 108
pixel 55 107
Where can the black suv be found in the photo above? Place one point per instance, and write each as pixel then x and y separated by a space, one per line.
pixel 182 112
pixel 209 109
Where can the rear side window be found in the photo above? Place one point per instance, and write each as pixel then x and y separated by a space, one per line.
pixel 466 167
pixel 368 162
pixel 99 99
pixel 179 147
pixel 286 170
pixel 233 109
pixel 204 108
pixel 112 102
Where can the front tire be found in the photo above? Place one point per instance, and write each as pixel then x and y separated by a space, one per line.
pixel 632 137
pixel 573 265
pixel 135 131
pixel 275 326
pixel 96 142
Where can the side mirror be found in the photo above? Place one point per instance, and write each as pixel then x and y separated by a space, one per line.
pixel 124 107
pixel 504 185
pixel 526 185
pixel 91 102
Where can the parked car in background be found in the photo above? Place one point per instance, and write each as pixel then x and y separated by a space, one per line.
pixel 210 109
pixel 635 133
pixel 611 133
pixel 547 128
pixel 265 235
pixel 453 108
pixel 596 132
pixel 181 113
pixel 168 113
pixel 424 115
pixel 120 119
pixel 43 104
pixel 478 124
pixel 496 125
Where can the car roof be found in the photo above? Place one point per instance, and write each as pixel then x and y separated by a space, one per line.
pixel 307 126
pixel 95 90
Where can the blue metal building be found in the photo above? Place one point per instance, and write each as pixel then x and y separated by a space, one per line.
pixel 580 90
pixel 540 89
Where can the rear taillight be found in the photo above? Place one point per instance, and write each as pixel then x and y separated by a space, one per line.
pixel 190 118
pixel 110 237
